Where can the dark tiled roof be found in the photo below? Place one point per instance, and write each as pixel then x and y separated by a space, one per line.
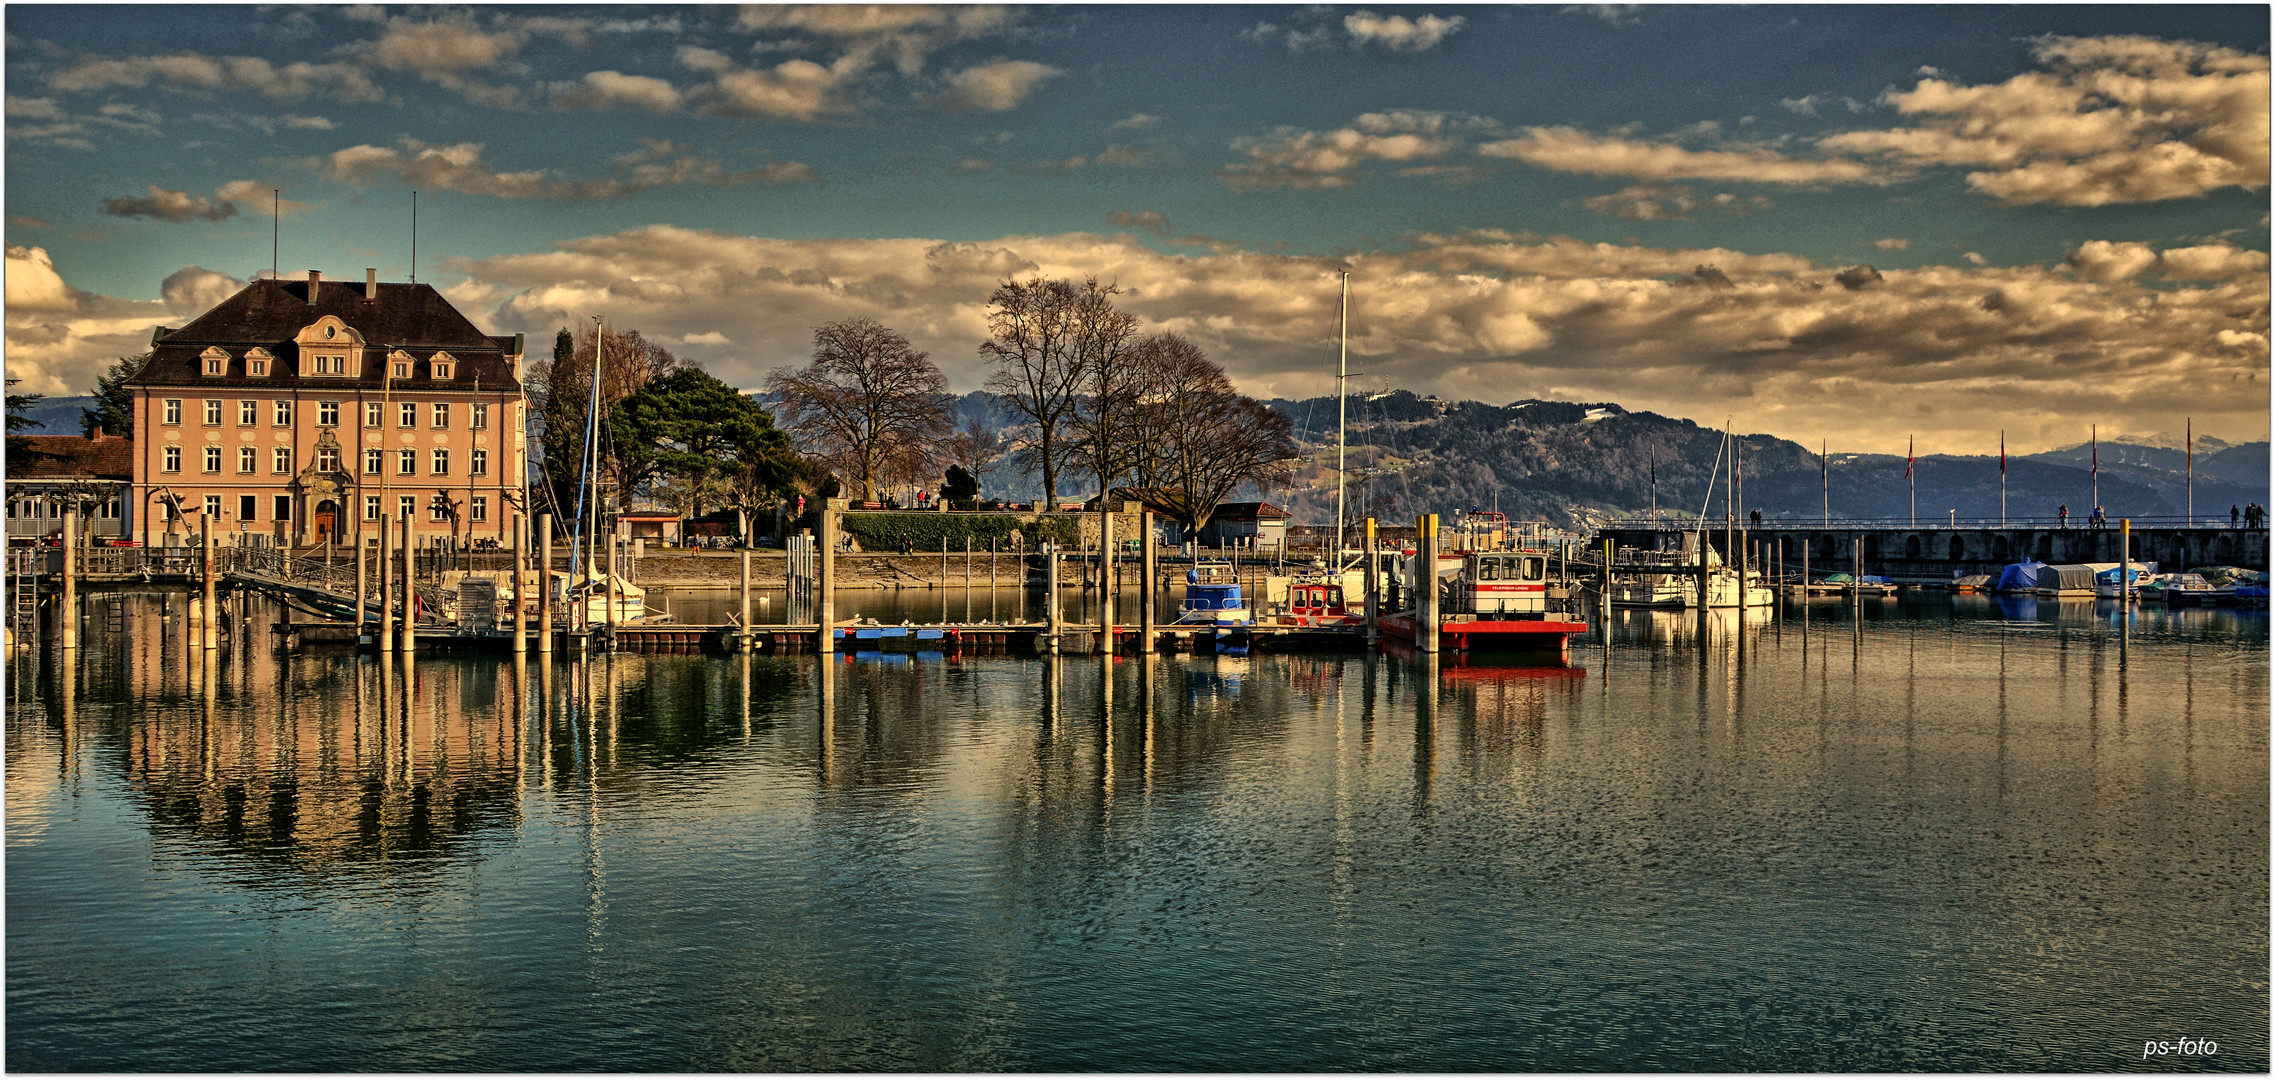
pixel 69 457
pixel 1249 510
pixel 270 313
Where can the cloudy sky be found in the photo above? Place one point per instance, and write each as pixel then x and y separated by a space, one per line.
pixel 1856 223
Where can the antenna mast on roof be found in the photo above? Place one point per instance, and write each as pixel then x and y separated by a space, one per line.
pixel 276 227
pixel 414 236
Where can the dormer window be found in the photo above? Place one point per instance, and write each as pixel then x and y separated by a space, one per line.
pixel 256 367
pixel 328 347
pixel 439 365
pixel 257 363
pixel 402 370
pixel 441 369
pixel 214 361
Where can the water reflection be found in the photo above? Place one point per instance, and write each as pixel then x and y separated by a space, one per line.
pixel 1985 840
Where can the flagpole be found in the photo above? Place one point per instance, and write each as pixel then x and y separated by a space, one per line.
pixel 2002 478
pixel 2191 443
pixel 2096 464
pixel 1910 457
pixel 1825 473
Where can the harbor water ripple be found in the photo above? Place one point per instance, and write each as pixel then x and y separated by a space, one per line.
pixel 1946 834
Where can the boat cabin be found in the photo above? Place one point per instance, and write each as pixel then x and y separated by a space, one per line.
pixel 1502 583
pixel 1212 595
pixel 1316 603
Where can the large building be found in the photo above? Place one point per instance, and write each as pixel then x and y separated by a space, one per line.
pixel 310 409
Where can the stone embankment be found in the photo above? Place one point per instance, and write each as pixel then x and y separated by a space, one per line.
pixel 723 569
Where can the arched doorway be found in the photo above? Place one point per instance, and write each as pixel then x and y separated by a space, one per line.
pixel 326 520
pixel 1912 546
pixel 1958 549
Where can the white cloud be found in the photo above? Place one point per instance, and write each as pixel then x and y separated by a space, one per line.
pixel 260 196
pixel 59 338
pixel 904 33
pixel 995 86
pixel 790 90
pixel 1621 15
pixel 1569 149
pixel 161 204
pixel 707 337
pixel 1484 315
pixel 193 290
pixel 2109 263
pixel 2110 120
pixel 1976 258
pixel 460 167
pixel 1672 202
pixel 2211 262
pixel 188 71
pixel 443 48
pixel 1892 243
pixel 616 90
pixel 1329 159
pixel 1134 122
pixel 1399 33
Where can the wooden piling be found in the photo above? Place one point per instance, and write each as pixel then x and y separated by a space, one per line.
pixel 1426 618
pixel 742 624
pixel 520 586
pixel 410 623
pixel 544 583
pixel 209 630
pixel 1146 598
pixel 1051 599
pixel 825 600
pixel 1105 576
pixel 67 608
pixel 1373 579
pixel 385 556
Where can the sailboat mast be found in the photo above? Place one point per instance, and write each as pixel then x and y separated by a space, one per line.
pixel 1342 396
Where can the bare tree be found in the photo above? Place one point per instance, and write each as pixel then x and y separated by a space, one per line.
pixel 1037 370
pixel 1104 341
pixel 975 446
pixel 1203 439
pixel 870 405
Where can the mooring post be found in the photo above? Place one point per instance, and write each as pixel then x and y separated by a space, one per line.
pixel 1604 598
pixel 825 599
pixel 1105 577
pixel 544 583
pixel 67 610
pixel 2124 563
pixel 1051 598
pixel 742 624
pixel 210 631
pixel 1426 584
pixel 520 586
pixel 362 583
pixel 1705 592
pixel 1373 586
pixel 1145 582
pixel 410 623
pixel 384 555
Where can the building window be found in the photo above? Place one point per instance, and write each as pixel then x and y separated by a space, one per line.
pixel 283 413
pixel 478 509
pixel 213 412
pixel 248 459
pixel 480 466
pixel 407 463
pixel 213 459
pixel 481 416
pixel 327 460
pixel 440 368
pixel 374 414
pixel 327 414
pixel 371 508
pixel 374 461
pixel 331 365
pixel 248 412
pixel 405 506
pixel 247 506
pixel 409 415
pixel 281 458
pixel 435 511
pixel 173 410
pixel 110 509
pixel 441 462
pixel 402 369
pixel 441 414
pixel 213 508
pixel 214 365
pixel 256 367
pixel 284 508
pixel 173 459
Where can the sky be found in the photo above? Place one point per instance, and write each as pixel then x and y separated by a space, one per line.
pixel 1871 225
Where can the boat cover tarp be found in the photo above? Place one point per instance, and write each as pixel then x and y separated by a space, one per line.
pixel 2141 572
pixel 2019 576
pixel 2065 577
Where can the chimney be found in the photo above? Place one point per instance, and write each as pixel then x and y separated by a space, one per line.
pixel 370 285
pixel 315 280
pixel 98 433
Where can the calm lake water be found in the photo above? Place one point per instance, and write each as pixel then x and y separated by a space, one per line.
pixel 1942 834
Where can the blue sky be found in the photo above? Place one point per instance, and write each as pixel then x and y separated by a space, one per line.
pixel 2063 208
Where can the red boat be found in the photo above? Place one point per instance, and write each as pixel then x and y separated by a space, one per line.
pixel 1496 602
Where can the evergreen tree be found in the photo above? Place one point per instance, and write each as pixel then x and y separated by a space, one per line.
pixel 113 410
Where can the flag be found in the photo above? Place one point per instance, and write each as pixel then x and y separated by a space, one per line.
pixel 1907 459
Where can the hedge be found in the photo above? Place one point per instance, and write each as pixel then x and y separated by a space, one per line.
pixel 884 532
